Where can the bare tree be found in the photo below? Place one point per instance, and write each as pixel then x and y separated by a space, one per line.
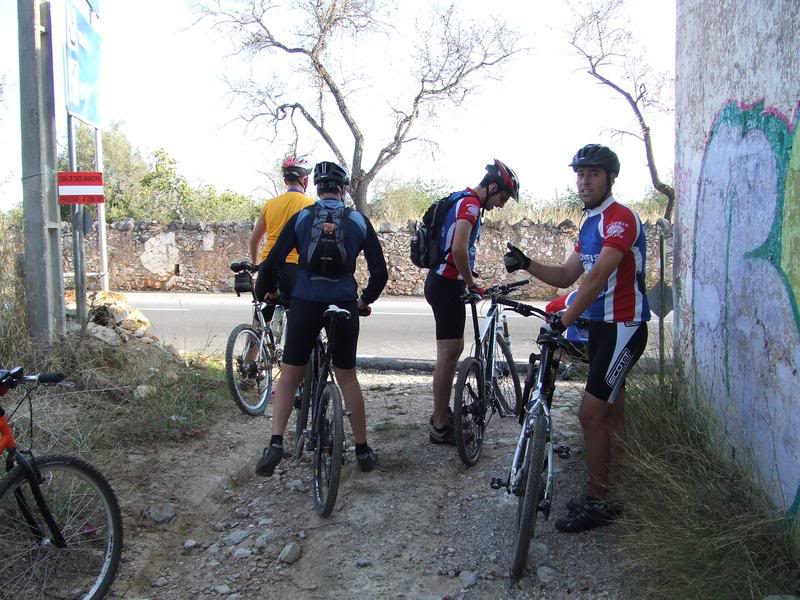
pixel 449 57
pixel 600 37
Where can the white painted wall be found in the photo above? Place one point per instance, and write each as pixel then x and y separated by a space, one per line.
pixel 737 236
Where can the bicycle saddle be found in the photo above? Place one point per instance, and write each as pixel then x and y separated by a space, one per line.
pixel 335 312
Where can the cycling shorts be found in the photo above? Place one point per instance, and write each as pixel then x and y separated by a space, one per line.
pixel 305 321
pixel 286 280
pixel 613 350
pixel 449 312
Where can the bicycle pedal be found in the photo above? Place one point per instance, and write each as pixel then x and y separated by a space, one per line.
pixel 497 483
pixel 562 451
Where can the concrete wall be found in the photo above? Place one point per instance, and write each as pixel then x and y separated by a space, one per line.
pixel 737 237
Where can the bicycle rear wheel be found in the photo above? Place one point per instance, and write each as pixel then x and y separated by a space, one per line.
pixel 528 503
pixel 469 411
pixel 507 388
pixel 328 449
pixel 249 370
pixel 84 507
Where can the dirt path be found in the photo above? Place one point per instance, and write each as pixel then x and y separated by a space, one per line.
pixel 421 526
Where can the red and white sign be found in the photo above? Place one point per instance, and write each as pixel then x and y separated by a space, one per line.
pixel 80 188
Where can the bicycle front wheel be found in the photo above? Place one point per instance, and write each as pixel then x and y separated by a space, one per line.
pixel 328 449
pixel 85 510
pixel 249 370
pixel 530 496
pixel 507 388
pixel 469 411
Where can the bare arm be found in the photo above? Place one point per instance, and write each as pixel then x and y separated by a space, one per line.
pixel 460 250
pixel 560 276
pixel 593 283
pixel 255 238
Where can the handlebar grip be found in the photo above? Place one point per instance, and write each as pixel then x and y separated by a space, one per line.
pixel 517 284
pixel 51 377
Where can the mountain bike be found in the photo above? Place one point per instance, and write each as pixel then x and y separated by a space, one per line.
pixel 253 352
pixel 325 438
pixel 486 382
pixel 530 477
pixel 60 523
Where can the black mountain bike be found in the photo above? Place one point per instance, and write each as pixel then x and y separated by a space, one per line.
pixel 487 382
pixel 530 477
pixel 323 399
pixel 60 523
pixel 253 352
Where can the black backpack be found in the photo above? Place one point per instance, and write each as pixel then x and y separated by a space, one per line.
pixel 327 251
pixel 425 251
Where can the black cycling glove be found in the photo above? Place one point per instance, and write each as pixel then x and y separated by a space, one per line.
pixel 515 259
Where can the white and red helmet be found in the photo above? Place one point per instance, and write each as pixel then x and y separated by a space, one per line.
pixel 504 177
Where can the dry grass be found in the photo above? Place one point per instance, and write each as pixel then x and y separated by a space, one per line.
pixel 696 525
pixel 101 412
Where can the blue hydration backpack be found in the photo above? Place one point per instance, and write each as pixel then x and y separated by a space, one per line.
pixel 327 251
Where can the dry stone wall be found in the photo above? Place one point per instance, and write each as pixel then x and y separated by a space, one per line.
pixel 195 256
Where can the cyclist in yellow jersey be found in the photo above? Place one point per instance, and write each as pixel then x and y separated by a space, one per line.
pixel 276 212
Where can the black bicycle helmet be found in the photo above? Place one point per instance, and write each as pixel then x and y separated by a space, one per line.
pixel 331 173
pixel 504 176
pixel 595 155
pixel 294 168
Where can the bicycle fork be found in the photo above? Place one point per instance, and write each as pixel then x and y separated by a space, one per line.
pixel 514 483
pixel 34 478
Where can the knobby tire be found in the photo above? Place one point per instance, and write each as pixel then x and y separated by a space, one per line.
pixel 528 502
pixel 250 394
pixel 328 450
pixel 469 411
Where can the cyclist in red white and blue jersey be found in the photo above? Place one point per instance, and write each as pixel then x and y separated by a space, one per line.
pixel 447 282
pixel 611 251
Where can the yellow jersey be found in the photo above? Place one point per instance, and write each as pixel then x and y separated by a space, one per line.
pixel 276 213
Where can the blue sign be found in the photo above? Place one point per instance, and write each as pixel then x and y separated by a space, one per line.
pixel 82 72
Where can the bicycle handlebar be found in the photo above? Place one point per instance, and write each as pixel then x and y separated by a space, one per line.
pixel 527 310
pixel 500 289
pixel 16 376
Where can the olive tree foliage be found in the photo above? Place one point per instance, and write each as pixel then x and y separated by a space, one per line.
pixel 327 93
pixel 599 35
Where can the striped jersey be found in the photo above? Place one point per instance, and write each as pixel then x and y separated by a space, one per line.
pixel 614 225
pixel 468 208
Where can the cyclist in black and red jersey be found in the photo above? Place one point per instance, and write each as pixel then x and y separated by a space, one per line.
pixel 447 282
pixel 611 251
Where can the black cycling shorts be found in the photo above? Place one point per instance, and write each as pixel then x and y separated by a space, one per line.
pixel 613 350
pixel 449 312
pixel 286 280
pixel 305 321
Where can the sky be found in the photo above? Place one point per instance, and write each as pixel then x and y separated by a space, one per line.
pixel 164 77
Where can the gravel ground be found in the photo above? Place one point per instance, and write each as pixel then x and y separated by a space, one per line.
pixel 421 526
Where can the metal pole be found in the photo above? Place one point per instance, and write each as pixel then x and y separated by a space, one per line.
pixel 77 232
pixel 662 302
pixel 101 213
pixel 44 300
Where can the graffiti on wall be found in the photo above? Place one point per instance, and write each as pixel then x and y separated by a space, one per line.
pixel 746 287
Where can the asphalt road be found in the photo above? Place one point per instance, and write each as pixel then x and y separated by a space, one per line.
pixel 399 327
